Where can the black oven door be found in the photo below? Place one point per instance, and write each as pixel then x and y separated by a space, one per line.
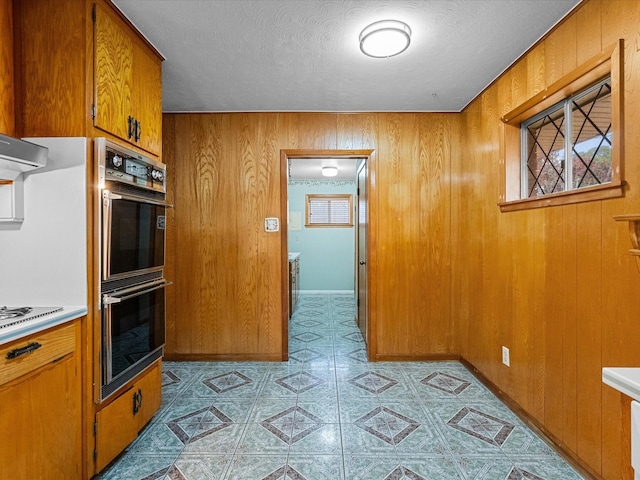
pixel 133 332
pixel 133 235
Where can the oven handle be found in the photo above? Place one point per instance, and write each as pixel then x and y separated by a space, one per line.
pixel 137 198
pixel 132 292
pixel 106 234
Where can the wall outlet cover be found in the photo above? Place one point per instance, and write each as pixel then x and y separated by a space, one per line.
pixel 271 224
pixel 505 356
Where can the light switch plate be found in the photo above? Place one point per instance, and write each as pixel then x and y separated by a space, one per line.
pixel 271 224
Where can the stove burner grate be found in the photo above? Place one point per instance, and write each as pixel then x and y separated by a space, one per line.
pixel 6 313
pixel 13 315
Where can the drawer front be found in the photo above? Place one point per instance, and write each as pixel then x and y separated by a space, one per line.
pixel 120 421
pixel 23 356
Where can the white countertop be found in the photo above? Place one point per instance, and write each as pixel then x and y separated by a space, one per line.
pixel 623 379
pixel 19 330
pixel 293 256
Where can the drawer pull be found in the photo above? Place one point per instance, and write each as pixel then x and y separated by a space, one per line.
pixel 137 401
pixel 21 351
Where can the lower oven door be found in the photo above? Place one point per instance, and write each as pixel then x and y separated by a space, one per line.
pixel 133 332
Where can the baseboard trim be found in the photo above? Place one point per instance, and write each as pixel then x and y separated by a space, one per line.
pixel 416 358
pixel 532 423
pixel 207 357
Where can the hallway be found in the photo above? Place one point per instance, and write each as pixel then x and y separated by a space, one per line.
pixel 328 414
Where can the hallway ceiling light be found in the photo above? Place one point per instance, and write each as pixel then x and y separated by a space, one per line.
pixel 329 171
pixel 385 38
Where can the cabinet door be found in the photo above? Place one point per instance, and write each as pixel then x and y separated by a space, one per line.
pixel 147 98
pixel 118 423
pixel 7 92
pixel 40 423
pixel 113 74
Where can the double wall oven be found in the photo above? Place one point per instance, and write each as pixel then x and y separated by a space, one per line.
pixel 132 284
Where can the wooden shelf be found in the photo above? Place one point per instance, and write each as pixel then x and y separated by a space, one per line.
pixel 634 233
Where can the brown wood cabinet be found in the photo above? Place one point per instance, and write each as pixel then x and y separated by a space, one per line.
pixel 7 93
pixel 128 95
pixel 40 405
pixel 89 73
pixel 119 423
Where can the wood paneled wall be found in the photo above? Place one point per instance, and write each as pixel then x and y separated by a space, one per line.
pixel 7 89
pixel 555 285
pixel 452 275
pixel 227 269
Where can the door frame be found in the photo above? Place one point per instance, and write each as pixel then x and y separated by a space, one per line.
pixel 285 155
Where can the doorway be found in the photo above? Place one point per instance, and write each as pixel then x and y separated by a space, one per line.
pixel 361 160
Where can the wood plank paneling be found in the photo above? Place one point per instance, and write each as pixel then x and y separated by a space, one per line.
pixel 7 85
pixel 570 291
pixel 568 368
pixel 588 347
pixel 555 291
pixel 227 279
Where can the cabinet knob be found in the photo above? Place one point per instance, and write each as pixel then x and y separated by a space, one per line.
pixel 362 262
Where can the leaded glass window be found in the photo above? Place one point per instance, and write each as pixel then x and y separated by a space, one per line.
pixel 578 129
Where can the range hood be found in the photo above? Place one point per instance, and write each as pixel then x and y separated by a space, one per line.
pixel 18 156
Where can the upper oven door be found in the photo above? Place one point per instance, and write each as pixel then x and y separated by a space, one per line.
pixel 133 235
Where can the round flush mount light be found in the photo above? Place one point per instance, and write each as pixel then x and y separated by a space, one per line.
pixel 385 38
pixel 329 171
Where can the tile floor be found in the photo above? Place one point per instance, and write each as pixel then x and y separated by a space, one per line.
pixel 329 414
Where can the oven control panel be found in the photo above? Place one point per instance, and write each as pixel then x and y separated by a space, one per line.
pixel 119 164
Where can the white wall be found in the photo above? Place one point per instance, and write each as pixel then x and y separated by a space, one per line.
pixel 43 260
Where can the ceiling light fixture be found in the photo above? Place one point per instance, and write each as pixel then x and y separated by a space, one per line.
pixel 385 38
pixel 329 171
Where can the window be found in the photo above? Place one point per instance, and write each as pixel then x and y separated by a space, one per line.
pixel 564 145
pixel 578 129
pixel 329 210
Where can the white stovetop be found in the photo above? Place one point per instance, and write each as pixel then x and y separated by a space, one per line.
pixel 43 260
pixel 19 330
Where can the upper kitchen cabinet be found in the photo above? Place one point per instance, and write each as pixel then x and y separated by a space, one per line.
pixel 7 99
pixel 89 73
pixel 128 91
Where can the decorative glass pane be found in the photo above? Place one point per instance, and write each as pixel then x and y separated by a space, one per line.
pixel 591 137
pixel 588 148
pixel 545 154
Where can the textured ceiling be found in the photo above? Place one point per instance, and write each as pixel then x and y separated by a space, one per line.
pixel 303 55
pixel 311 168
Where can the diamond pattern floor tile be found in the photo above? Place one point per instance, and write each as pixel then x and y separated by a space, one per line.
pixel 328 414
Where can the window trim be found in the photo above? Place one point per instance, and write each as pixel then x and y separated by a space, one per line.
pixel 335 196
pixel 607 63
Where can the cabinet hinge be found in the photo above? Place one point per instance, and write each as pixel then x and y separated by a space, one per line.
pixel 95 428
pixel 93 13
pixel 93 111
pixel 95 455
pixel 358 302
pixel 358 191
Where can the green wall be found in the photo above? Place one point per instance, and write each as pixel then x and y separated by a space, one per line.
pixel 327 254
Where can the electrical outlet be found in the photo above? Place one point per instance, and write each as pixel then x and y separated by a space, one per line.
pixel 505 356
